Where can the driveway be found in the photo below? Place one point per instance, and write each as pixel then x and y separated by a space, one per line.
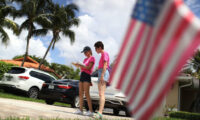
pixel 19 108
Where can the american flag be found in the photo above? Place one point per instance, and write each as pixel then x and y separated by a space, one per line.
pixel 162 35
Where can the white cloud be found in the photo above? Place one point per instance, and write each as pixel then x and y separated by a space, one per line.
pixel 102 20
pixel 17 45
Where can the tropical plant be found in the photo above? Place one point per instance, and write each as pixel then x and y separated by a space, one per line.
pixel 65 71
pixel 61 19
pixel 5 10
pixel 34 10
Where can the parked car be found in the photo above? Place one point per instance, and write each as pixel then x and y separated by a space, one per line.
pixel 114 99
pixel 24 79
pixel 66 91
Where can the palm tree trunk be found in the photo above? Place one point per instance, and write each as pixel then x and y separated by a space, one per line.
pixel 27 47
pixel 41 62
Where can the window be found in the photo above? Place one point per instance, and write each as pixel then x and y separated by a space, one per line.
pixel 42 76
pixel 16 70
pixel 95 74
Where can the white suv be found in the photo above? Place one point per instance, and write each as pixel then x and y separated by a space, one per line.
pixel 26 79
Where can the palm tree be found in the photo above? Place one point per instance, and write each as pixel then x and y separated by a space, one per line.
pixel 34 10
pixel 5 22
pixel 61 19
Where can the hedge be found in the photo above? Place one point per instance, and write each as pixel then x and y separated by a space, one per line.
pixel 4 67
pixel 185 115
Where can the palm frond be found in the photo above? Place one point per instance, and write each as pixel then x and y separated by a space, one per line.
pixel 43 21
pixel 4 36
pixel 40 32
pixel 11 25
pixel 24 25
pixel 5 10
pixel 70 34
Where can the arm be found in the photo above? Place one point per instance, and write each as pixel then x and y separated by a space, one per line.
pixel 86 67
pixel 104 70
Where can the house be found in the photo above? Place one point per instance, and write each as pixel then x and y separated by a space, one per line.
pixel 182 96
pixel 30 63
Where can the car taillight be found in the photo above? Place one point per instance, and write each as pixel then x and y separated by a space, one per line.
pixel 24 77
pixel 65 86
pixel 44 84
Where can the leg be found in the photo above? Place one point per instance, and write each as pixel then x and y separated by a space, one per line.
pixel 102 88
pixel 87 94
pixel 81 93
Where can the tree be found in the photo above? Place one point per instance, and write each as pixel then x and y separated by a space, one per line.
pixel 65 71
pixel 34 10
pixel 61 19
pixel 5 22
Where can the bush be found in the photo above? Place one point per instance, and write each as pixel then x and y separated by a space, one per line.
pixel 185 115
pixel 4 67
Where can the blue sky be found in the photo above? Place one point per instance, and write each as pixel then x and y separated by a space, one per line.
pixel 103 20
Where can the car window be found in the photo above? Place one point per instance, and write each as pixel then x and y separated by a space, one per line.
pixel 16 70
pixel 42 76
pixel 94 74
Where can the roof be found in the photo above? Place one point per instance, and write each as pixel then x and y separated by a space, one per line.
pixel 30 63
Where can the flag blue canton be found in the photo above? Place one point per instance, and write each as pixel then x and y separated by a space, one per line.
pixel 194 6
pixel 147 10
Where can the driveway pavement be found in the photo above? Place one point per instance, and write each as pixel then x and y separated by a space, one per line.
pixel 19 108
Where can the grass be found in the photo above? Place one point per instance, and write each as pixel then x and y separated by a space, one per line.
pixel 27 118
pixel 166 118
pixel 13 96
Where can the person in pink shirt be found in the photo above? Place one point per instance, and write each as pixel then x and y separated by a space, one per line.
pixel 103 75
pixel 85 80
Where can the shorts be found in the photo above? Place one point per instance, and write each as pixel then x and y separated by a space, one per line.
pixel 106 75
pixel 85 77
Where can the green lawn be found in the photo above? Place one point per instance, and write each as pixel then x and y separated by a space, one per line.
pixel 13 96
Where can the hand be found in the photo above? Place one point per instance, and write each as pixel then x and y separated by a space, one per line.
pixel 76 64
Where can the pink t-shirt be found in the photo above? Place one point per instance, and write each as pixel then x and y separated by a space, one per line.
pixel 86 62
pixel 104 57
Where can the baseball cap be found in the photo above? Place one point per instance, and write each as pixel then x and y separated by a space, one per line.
pixel 85 49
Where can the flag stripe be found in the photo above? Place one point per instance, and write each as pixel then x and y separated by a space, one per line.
pixel 156 98
pixel 132 68
pixel 126 39
pixel 129 43
pixel 170 66
pixel 129 58
pixel 163 62
pixel 147 59
pixel 141 73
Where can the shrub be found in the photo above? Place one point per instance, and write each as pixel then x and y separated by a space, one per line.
pixel 4 67
pixel 185 115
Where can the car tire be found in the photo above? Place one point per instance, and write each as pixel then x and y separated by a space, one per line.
pixel 94 107
pixel 49 102
pixel 76 102
pixel 33 93
pixel 127 113
pixel 115 111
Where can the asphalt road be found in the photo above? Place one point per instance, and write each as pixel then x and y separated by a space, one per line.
pixel 19 108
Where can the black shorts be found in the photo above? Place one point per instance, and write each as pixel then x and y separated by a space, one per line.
pixel 85 77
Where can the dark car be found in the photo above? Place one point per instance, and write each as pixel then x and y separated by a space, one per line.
pixel 66 91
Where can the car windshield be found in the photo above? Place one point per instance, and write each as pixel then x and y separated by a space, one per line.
pixel 16 70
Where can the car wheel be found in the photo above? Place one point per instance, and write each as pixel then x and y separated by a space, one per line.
pixel 76 102
pixel 115 111
pixel 33 93
pixel 127 113
pixel 94 107
pixel 49 102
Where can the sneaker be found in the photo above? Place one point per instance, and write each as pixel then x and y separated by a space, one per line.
pixel 79 112
pixel 89 113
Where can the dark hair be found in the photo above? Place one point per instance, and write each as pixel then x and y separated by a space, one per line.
pixel 99 44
